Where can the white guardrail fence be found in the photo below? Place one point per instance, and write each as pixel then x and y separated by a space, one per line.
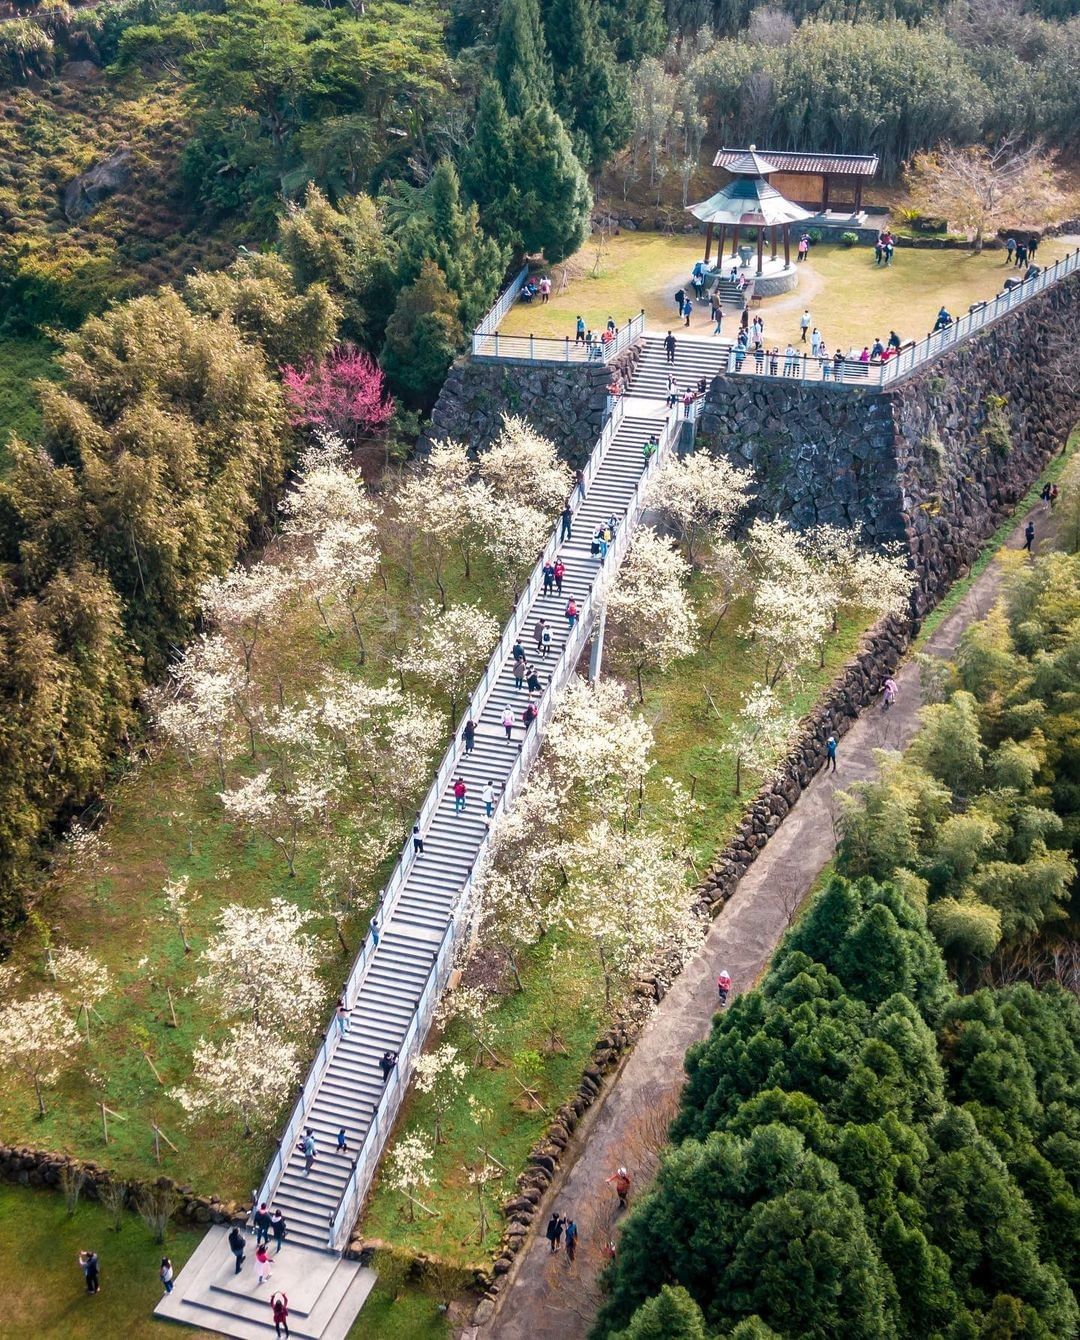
pixel 803 366
pixel 488 343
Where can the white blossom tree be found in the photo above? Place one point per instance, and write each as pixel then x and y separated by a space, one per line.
pixel 246 1076
pixel 759 733
pixel 178 904
pixel 408 1168
pixel 878 580
pixel 513 535
pixel 628 895
pixel 699 497
pixel 653 621
pixel 452 646
pixel 261 966
pixel 37 1037
pixel 472 1008
pixel 728 571
pixel 597 747
pixel 439 1074
pixel 344 559
pixel 788 625
pixel 82 979
pixel 522 467
pixel 198 710
pixel 244 601
pixel 437 506
pixel 279 808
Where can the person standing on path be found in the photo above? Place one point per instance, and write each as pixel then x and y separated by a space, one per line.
pixel 341 1018
pixel 277 1220
pixel 572 613
pixel 469 735
pixel 687 311
pixel 279 1304
pixel 559 573
pixel 519 672
pixel 1010 247
pixel 532 683
pixel 387 1062
pixel 554 1232
pixel 889 692
pixel 488 797
pixel 1032 246
pixel 1029 537
pixel 165 1274
pixel 579 336
pixel 830 753
pixel 262 1218
pixel 460 792
pixel 804 324
pixel 579 484
pixel 529 715
pixel 621 1178
pixel 417 838
pixel 565 531
pixel 263 1269
pixel 549 576
pixel 680 298
pixel 90 1269
pixel 538 629
pixel 508 722
pixel 237 1246
pixel 669 347
pixel 545 641
pixel 570 1233
pixel 342 1141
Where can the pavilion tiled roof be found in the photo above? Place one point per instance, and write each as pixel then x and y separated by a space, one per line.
pixel 749 202
pixel 849 165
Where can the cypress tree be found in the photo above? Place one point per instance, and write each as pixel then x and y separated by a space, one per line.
pixel 488 164
pixel 591 93
pixel 522 66
pixel 635 28
pixel 555 200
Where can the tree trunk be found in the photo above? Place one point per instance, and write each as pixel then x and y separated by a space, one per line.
pixel 513 967
pixel 640 686
pixel 40 1100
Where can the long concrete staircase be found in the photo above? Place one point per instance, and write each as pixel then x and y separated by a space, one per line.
pixel 400 973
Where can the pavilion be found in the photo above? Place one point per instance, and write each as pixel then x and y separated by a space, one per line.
pixel 749 201
pixel 818 181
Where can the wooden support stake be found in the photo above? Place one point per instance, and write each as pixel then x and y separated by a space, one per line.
pixel 427 1210
pixel 492 1159
pixel 153 1067
pixel 160 1135
pixel 107 1112
pixel 714 707
pixel 172 1008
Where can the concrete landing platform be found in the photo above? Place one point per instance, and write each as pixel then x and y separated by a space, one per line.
pixel 325 1292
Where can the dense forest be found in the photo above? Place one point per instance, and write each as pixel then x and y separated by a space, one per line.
pixel 864 1147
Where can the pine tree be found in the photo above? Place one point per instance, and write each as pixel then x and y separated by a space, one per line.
pixel 522 66
pixel 591 93
pixel 635 28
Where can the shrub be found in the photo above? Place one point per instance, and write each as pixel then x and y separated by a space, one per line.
pixel 849 239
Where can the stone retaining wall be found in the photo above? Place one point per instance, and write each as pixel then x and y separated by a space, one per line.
pixel 563 401
pixel 42 1168
pixel 936 461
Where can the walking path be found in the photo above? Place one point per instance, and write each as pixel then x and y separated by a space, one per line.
pixel 550 1300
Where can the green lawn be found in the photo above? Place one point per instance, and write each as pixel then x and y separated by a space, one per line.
pixel 20 362
pixel 44 1297
pixel 850 299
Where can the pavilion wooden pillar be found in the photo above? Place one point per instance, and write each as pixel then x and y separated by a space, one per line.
pixel 708 242
pixel 735 241
pixel 720 247
pixel 825 192
pixel 787 249
pixel 772 239
pixel 858 194
pixel 760 246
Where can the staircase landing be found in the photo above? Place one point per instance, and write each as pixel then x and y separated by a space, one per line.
pixel 325 1292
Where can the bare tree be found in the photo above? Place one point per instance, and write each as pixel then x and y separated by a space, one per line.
pixel 982 189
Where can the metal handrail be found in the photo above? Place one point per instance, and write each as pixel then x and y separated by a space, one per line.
pixel 550 349
pixel 385 1113
pixel 879 373
pixel 502 304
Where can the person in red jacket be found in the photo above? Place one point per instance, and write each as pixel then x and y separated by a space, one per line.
pixel 279 1302
pixel 460 790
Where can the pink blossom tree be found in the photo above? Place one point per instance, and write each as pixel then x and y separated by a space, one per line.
pixel 344 394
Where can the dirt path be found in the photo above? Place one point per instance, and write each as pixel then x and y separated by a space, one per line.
pixel 547 1299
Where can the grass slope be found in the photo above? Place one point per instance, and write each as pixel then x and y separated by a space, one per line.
pixel 20 362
